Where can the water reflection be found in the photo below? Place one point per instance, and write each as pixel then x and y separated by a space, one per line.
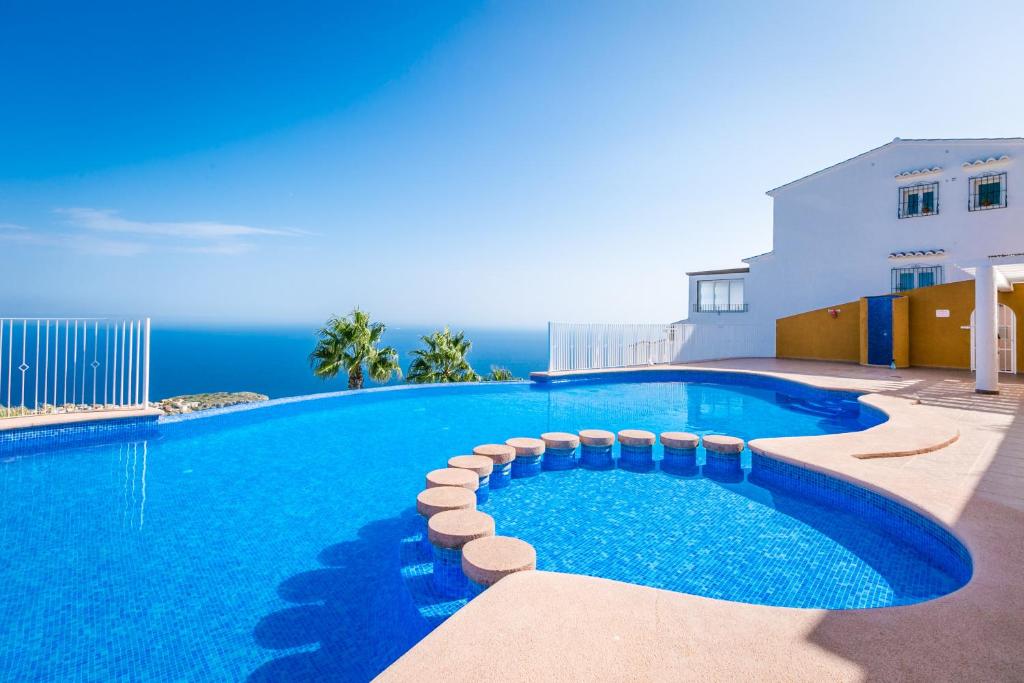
pixel 133 459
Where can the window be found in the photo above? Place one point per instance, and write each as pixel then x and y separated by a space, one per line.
pixel 720 296
pixel 988 192
pixel 913 277
pixel 919 200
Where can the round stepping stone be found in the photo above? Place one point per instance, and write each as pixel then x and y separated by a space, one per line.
pixel 560 440
pixel 429 502
pixel 481 464
pixel 679 440
pixel 596 437
pixel 525 446
pixel 487 560
pixel 451 476
pixel 500 454
pixel 455 528
pixel 722 444
pixel 636 437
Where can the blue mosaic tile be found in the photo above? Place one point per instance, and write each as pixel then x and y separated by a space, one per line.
pixel 526 466
pixel 483 489
pixel 474 589
pixel 501 476
pixel 825 403
pixel 682 461
pixel 723 467
pixel 596 457
pixel 782 536
pixel 636 458
pixel 899 521
pixel 447 572
pixel 559 459
pixel 44 439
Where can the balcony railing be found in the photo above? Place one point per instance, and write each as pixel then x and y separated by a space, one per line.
pixel 720 308
pixel 58 365
pixel 593 346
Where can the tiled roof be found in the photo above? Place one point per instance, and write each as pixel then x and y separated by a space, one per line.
pixel 917 253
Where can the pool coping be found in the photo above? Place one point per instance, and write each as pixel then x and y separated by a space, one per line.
pixel 75 417
pixel 543 626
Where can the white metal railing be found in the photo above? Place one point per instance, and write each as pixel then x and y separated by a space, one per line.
pixel 593 346
pixel 712 341
pixel 52 365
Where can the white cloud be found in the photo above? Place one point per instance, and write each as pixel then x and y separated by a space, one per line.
pixel 105 220
pixel 88 225
pixel 20 234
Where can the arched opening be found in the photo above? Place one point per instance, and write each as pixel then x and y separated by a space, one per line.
pixel 1006 339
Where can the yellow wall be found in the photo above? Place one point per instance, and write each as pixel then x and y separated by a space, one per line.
pixel 817 335
pixel 933 341
pixel 901 332
pixel 939 342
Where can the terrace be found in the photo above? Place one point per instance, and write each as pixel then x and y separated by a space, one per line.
pixel 539 625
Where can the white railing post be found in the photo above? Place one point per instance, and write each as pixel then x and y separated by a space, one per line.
pixel 145 372
pixel 551 349
pixel 594 346
pixel 32 382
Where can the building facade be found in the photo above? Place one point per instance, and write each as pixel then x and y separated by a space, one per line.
pixel 906 215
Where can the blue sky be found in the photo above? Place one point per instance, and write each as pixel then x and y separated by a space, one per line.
pixel 496 164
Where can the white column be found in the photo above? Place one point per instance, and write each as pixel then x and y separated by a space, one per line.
pixel 986 363
pixel 145 372
pixel 551 349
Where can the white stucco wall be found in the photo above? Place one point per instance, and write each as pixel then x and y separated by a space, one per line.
pixel 833 231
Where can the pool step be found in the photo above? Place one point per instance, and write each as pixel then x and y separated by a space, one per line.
pixel 816 408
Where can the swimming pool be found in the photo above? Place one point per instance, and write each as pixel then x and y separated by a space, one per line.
pixel 268 544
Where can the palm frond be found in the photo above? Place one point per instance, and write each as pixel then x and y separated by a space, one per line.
pixel 350 343
pixel 442 360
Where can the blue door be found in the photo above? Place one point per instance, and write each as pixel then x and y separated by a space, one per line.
pixel 879 330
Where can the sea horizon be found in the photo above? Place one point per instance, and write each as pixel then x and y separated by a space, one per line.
pixel 272 359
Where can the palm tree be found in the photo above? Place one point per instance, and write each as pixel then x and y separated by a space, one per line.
pixel 443 359
pixel 500 374
pixel 351 343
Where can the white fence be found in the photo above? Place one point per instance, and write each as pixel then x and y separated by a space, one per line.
pixel 592 346
pixel 711 341
pixel 52 365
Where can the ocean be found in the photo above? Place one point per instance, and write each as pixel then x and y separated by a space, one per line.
pixel 274 361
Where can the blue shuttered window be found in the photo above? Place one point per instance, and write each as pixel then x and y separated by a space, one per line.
pixel 919 200
pixel 988 192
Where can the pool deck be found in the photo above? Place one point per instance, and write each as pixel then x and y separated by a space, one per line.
pixel 545 626
pixel 75 417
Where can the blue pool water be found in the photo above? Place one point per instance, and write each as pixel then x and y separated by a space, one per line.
pixel 732 540
pixel 272 544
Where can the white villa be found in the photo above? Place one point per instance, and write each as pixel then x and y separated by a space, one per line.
pixel 906 215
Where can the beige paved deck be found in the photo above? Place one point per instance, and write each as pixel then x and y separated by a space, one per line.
pixel 540 626
pixel 52 419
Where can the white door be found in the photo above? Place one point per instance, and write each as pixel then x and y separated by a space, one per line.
pixel 1006 339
